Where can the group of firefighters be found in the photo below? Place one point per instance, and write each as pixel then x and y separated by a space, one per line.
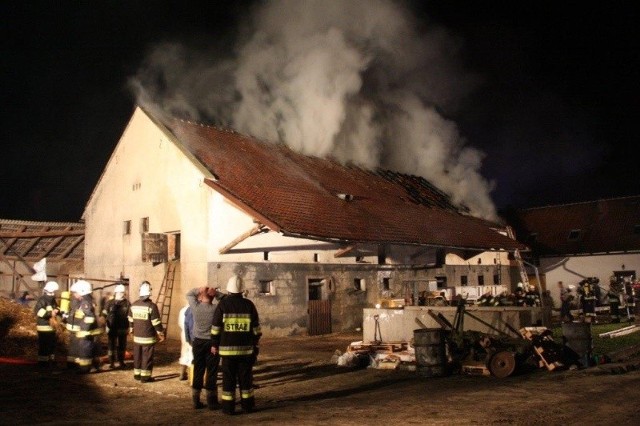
pixel 228 331
pixel 620 297
pixel 520 297
pixel 85 323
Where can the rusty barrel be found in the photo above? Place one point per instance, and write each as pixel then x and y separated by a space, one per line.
pixel 577 336
pixel 431 352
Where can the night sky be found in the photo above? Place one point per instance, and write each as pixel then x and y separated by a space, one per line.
pixel 555 109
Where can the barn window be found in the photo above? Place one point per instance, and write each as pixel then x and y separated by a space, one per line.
pixel 480 279
pixel 464 280
pixel 126 227
pixel 496 279
pixel 265 255
pixel 266 288
pixel 385 283
pixel 315 257
pixel 144 225
pixel 359 284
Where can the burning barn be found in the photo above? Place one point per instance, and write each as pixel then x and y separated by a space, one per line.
pixel 183 205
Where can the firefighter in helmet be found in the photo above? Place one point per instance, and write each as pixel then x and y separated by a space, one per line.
pixel 87 328
pixel 46 310
pixel 146 326
pixel 115 312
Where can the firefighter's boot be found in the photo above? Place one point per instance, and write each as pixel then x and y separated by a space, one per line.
pixel 195 394
pixel 212 400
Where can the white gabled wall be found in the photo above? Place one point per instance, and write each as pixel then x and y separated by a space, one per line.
pixel 147 176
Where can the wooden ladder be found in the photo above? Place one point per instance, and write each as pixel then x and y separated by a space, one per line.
pixel 165 293
pixel 524 278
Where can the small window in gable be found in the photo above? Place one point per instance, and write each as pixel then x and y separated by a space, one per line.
pixel 574 235
pixel 126 227
pixel 144 225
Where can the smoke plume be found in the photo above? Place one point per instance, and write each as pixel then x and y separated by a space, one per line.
pixel 360 80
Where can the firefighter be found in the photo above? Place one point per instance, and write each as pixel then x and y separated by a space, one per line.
pixel 519 295
pixel 613 297
pixel 566 298
pixel 531 297
pixel 486 299
pixel 587 293
pixel 46 311
pixel 630 296
pixel 116 312
pixel 87 328
pixel 147 330
pixel 72 325
pixel 235 336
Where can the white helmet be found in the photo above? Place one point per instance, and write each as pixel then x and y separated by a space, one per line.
pixel 119 289
pixel 572 287
pixel 145 289
pixel 82 287
pixel 51 287
pixel 234 285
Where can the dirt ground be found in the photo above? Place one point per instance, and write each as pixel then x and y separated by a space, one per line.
pixel 297 382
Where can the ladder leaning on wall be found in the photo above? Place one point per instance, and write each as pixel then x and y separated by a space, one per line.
pixel 164 295
pixel 524 277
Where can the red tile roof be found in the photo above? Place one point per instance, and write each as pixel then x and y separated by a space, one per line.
pixel 602 226
pixel 321 199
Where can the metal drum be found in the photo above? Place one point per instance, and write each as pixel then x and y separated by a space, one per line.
pixel 431 353
pixel 577 336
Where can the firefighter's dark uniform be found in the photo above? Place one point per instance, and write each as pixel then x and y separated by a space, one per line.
pixel 73 326
pixel 613 298
pixel 146 326
pixel 116 313
pixel 88 330
pixel 44 310
pixel 588 299
pixel 532 298
pixel 236 333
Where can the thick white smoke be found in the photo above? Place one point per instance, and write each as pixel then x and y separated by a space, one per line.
pixel 357 80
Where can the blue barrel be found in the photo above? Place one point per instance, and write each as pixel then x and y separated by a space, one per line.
pixel 431 352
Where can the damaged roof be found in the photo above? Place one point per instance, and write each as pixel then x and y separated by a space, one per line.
pixel 310 197
pixel 33 241
pixel 602 226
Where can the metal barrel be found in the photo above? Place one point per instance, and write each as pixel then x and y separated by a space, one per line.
pixel 577 336
pixel 431 352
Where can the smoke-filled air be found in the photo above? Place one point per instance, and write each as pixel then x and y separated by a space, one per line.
pixel 362 81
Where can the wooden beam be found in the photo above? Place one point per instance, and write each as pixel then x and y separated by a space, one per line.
pixel 258 229
pixel 343 251
pixel 41 234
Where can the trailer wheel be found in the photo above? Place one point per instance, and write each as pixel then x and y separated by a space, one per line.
pixel 502 364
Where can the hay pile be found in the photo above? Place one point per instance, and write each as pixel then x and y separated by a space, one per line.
pixel 18 332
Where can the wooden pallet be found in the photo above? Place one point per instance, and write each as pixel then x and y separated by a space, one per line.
pixel 476 370
pixel 376 347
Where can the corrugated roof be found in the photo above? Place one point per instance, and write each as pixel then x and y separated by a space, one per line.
pixel 33 241
pixel 318 198
pixel 602 226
